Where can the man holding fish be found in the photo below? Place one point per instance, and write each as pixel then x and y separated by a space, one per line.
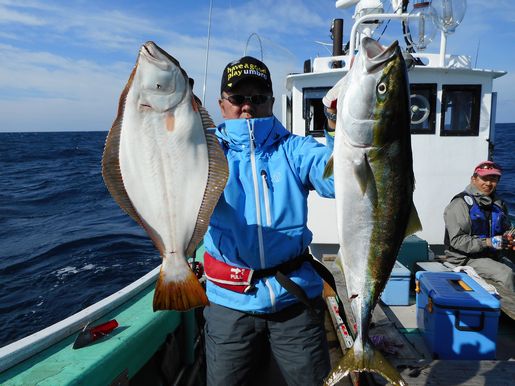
pixel 250 181
pixel 263 287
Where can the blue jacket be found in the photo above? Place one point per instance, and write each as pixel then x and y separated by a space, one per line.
pixel 260 219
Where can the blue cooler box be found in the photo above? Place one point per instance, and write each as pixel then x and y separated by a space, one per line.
pixel 396 292
pixel 413 249
pixel 457 317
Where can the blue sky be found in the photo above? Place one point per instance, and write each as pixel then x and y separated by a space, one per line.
pixel 63 64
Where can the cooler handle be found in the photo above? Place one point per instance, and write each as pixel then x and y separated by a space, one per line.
pixel 467 328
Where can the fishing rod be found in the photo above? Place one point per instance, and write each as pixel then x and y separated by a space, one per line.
pixel 207 52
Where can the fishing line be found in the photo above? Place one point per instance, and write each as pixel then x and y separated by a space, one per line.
pixel 388 22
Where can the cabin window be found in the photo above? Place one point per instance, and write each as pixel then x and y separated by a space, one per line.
pixel 313 110
pixel 423 108
pixel 460 110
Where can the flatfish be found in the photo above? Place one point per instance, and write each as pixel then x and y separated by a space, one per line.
pixel 165 170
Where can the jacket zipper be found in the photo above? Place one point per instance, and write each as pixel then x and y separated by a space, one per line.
pixel 258 209
pixel 264 177
pixel 256 194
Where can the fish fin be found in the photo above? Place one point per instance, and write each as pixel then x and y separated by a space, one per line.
pixel 169 121
pixel 371 360
pixel 194 103
pixel 363 173
pixel 207 121
pixel 179 295
pixel 329 168
pixel 111 172
pixel 216 180
pixel 414 224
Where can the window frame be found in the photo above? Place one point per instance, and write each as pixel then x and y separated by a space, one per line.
pixel 310 94
pixel 476 92
pixel 431 88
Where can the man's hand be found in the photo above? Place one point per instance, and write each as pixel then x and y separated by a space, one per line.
pixel 509 240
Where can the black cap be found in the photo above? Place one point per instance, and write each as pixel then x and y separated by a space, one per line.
pixel 245 68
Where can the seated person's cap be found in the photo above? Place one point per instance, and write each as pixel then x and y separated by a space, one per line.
pixel 488 168
pixel 245 68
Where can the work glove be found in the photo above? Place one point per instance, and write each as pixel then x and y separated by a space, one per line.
pixel 331 98
pixel 330 101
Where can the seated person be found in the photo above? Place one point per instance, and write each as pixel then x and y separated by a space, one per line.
pixel 477 228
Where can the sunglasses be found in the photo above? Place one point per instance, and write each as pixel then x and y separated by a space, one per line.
pixel 489 166
pixel 238 100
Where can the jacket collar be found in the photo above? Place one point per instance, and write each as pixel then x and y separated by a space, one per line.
pixel 481 198
pixel 235 133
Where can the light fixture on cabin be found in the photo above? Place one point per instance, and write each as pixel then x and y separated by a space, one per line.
pixel 448 14
pixel 368 7
pixel 422 29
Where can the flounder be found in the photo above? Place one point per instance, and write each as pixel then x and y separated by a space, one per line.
pixel 165 170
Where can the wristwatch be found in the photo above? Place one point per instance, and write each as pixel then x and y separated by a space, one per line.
pixel 329 115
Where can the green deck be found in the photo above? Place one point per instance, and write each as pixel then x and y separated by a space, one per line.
pixel 140 331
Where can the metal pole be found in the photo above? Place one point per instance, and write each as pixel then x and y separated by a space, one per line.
pixel 443 46
pixel 207 53
pixel 337 35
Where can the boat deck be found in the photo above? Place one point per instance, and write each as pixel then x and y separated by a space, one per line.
pixel 398 326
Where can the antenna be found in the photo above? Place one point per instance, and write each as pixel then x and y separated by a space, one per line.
pixel 325 45
pixel 207 52
pixel 260 44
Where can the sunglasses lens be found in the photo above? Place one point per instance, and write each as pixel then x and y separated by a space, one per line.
pixel 238 100
pixel 258 99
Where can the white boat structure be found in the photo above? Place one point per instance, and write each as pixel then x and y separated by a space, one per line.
pixel 453 120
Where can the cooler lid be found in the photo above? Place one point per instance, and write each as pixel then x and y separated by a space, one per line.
pixel 399 270
pixel 456 290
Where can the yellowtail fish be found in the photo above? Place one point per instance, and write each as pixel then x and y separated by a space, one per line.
pixel 374 183
pixel 165 170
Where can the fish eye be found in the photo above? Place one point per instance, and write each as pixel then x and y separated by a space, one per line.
pixel 381 88
pixel 158 86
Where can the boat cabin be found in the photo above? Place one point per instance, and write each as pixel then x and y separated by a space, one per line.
pixel 452 126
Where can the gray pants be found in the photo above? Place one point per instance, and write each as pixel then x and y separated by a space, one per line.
pixel 238 345
pixel 501 272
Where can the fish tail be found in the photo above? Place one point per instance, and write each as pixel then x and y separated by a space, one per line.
pixel 370 360
pixel 178 292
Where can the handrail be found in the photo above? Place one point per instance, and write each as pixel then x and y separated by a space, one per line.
pixel 371 16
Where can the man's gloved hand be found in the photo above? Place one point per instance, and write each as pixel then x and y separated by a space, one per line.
pixel 331 98
pixel 330 101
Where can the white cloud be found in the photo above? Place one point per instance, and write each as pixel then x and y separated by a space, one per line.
pixel 15 17
pixel 67 62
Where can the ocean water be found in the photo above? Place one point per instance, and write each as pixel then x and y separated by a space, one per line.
pixel 64 242
pixel 504 155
